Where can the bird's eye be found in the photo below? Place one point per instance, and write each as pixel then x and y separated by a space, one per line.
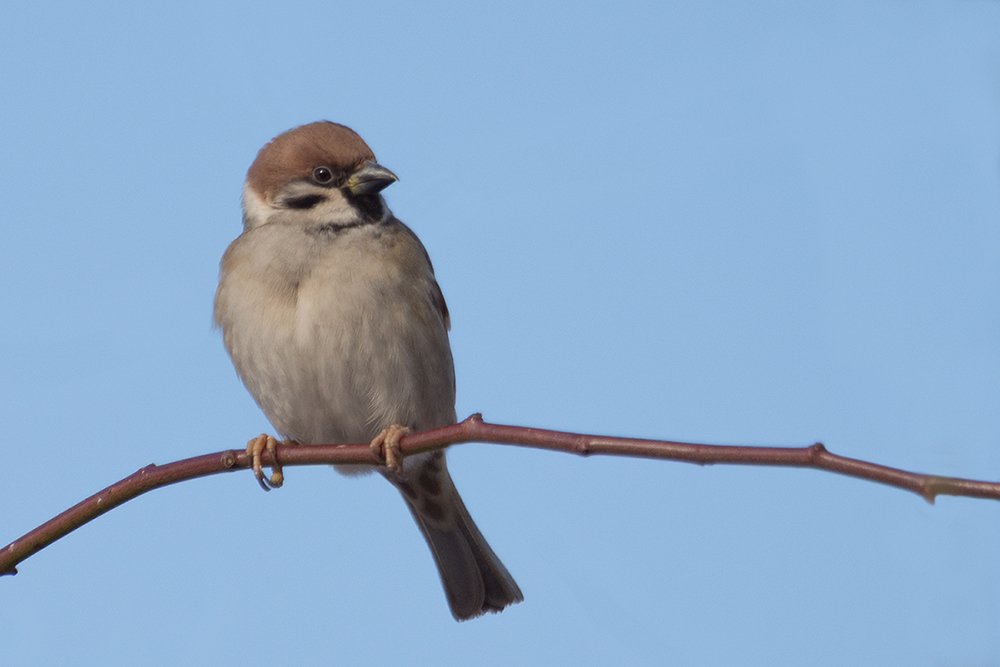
pixel 322 175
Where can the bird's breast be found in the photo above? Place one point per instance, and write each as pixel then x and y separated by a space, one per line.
pixel 340 339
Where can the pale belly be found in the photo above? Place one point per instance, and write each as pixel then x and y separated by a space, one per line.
pixel 356 348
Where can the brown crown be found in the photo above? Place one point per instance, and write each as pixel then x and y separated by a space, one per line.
pixel 298 151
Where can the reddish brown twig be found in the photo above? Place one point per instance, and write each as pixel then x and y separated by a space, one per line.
pixel 474 429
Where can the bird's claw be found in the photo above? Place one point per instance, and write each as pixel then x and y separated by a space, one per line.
pixel 254 449
pixel 385 447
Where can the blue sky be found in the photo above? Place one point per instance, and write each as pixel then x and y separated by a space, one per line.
pixel 766 224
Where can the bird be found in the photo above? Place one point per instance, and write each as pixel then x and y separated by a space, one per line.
pixel 334 321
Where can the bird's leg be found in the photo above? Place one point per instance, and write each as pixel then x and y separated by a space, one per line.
pixel 254 449
pixel 385 447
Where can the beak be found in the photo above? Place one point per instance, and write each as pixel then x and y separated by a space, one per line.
pixel 370 178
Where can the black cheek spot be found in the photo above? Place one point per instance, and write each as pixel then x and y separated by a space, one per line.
pixel 307 201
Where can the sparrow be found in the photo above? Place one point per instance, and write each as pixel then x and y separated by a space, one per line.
pixel 335 323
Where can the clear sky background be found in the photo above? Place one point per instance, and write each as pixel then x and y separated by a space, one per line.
pixel 765 224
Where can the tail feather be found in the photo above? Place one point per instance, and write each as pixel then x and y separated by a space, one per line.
pixel 474 579
pixel 500 588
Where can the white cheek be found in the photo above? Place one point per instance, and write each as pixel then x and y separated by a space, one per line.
pixel 335 209
pixel 255 211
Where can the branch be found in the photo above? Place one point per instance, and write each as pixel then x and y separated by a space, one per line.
pixel 474 429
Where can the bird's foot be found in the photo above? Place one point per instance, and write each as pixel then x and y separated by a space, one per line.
pixel 254 449
pixel 385 447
